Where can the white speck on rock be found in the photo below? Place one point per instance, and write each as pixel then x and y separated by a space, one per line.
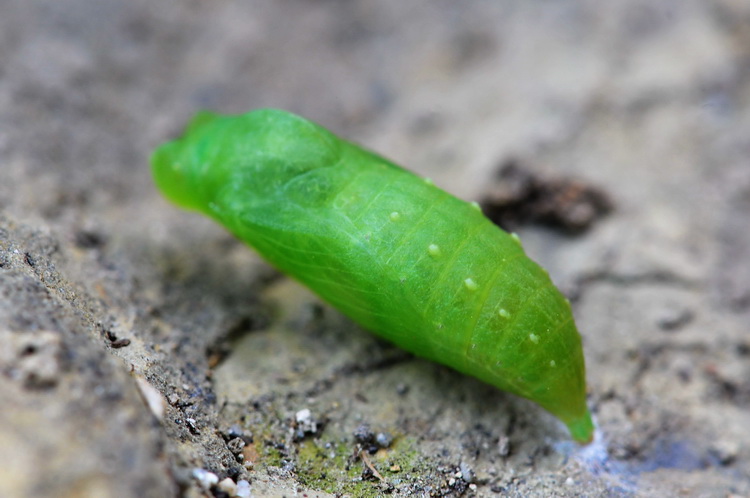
pixel 303 416
pixel 205 478
pixel 151 396
pixel 243 489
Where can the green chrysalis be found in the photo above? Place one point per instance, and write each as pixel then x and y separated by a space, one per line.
pixel 398 255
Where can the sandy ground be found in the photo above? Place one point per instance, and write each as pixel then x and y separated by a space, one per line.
pixel 139 343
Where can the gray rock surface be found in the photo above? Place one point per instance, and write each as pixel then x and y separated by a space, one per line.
pixel 139 343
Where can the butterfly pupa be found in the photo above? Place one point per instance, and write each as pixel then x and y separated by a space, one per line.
pixel 401 257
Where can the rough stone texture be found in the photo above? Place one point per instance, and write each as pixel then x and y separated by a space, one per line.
pixel 110 297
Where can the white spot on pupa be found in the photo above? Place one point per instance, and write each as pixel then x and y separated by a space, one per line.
pixel 471 284
pixel 503 313
pixel 534 338
pixel 476 206
pixel 440 326
pixel 395 216
pixel 402 279
pixel 433 250
pixel 552 363
pixel 428 181
pixel 514 236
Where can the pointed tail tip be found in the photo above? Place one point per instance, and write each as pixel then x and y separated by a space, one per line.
pixel 582 429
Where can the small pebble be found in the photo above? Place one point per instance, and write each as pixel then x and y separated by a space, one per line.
pixel 235 431
pixel 228 486
pixel 306 424
pixel 243 489
pixel 120 343
pixel 383 439
pixel 467 472
pixel 205 478
pixel 192 425
pixel 236 445
pixel 363 434
pixel 303 416
pixel 725 451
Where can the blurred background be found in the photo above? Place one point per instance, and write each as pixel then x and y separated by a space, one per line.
pixel 144 352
